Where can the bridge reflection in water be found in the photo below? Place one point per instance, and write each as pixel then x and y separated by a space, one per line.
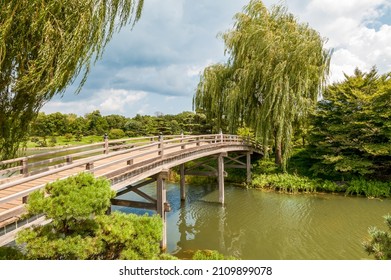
pixel 129 164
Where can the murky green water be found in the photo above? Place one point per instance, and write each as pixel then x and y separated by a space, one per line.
pixel 260 225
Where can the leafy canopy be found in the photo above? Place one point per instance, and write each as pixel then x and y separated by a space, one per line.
pixel 351 133
pixel 276 69
pixel 44 46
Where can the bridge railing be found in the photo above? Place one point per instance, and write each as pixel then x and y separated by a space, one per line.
pixel 53 160
pixel 38 163
pixel 87 159
pixel 41 162
pixel 88 154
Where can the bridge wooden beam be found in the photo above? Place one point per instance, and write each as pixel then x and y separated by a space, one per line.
pixel 134 204
pixel 182 182
pixel 248 166
pixel 235 159
pixel 135 187
pixel 220 165
pixel 161 194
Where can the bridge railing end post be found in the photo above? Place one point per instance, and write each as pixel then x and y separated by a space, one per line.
pixel 160 145
pixel 24 163
pixel 90 167
pixel 106 144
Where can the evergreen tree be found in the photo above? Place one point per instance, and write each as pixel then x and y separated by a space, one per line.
pixel 379 244
pixel 351 133
pixel 79 228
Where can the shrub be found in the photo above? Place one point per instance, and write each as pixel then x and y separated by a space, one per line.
pixel 68 137
pixel 284 182
pixel 211 255
pixel 369 188
pixel 11 253
pixel 116 133
pixel 266 166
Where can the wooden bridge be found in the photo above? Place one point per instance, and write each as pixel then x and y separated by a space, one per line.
pixel 129 164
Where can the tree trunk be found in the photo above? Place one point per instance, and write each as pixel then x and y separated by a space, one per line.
pixel 277 151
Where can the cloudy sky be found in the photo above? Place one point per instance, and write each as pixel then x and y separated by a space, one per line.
pixel 156 66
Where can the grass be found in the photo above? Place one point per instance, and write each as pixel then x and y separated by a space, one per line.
pixel 60 141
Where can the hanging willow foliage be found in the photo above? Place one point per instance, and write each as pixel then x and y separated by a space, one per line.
pixel 277 68
pixel 44 46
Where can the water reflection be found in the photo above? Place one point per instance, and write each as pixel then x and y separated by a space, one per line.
pixel 258 225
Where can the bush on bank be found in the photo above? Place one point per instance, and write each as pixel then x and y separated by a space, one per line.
pixel 268 177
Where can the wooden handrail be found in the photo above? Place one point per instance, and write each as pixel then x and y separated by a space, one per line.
pixel 140 148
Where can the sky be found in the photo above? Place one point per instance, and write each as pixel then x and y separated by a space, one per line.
pixel 155 67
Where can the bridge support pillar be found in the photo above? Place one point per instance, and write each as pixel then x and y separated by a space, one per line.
pixel 248 167
pixel 220 164
pixel 182 182
pixel 162 205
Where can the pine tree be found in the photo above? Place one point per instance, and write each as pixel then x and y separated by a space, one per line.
pixel 79 228
pixel 379 244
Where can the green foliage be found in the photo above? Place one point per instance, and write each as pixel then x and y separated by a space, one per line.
pixel 211 255
pixel 68 137
pixel 72 200
pixel 267 175
pixel 245 132
pixel 79 228
pixel 116 133
pixel 11 253
pixel 118 126
pixel 351 135
pixel 44 46
pixel 276 69
pixel 96 123
pixel 53 141
pixel 265 166
pixel 284 182
pixel 369 188
pixel 379 244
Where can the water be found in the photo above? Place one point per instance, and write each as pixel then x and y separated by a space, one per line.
pixel 266 225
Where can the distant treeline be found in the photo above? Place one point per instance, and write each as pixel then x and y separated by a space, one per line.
pixel 117 126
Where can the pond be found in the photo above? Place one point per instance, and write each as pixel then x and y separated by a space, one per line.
pixel 258 225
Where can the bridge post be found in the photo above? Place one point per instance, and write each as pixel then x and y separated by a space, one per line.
pixel 248 167
pixel 106 144
pixel 160 145
pixel 161 204
pixel 220 164
pixel 24 169
pixel 182 136
pixel 182 182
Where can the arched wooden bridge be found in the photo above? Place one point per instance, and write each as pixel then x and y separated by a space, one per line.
pixel 129 164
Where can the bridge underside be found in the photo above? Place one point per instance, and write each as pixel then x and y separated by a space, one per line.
pixel 211 166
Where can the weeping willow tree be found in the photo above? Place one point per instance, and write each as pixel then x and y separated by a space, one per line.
pixel 44 46
pixel 277 68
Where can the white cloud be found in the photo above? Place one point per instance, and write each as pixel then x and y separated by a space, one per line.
pixel 176 39
pixel 107 101
pixel 347 25
pixel 119 100
pixel 344 62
